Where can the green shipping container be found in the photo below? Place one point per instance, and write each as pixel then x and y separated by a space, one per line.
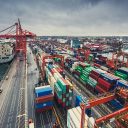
pixel 62 85
pixel 58 90
pixel 84 79
pixel 90 57
pixel 92 83
pixel 121 75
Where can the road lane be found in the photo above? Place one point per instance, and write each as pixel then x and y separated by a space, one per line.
pixel 12 105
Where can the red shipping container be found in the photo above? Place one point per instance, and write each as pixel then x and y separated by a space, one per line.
pixel 44 109
pixel 59 100
pixel 95 73
pixel 63 104
pixel 76 72
pixel 44 98
pixel 59 69
pixel 96 65
pixel 99 89
pixel 104 83
pixel 94 76
pixel 53 71
pixel 103 58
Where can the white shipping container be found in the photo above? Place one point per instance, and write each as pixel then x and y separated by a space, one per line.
pixel 94 81
pixel 91 122
pixel 104 68
pixel 74 120
pixel 86 117
pixel 71 69
pixel 100 70
pixel 42 87
pixel 57 76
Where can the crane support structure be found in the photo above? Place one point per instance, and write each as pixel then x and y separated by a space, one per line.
pixel 101 100
pixel 120 114
pixel 109 116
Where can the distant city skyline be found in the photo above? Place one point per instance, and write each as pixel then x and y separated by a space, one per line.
pixel 67 17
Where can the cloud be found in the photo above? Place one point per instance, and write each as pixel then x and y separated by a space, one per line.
pixel 67 17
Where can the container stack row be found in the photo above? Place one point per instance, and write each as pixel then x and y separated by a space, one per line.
pixel 44 98
pixel 96 79
pixel 63 89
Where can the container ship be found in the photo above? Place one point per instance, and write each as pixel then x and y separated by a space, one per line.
pixel 6 50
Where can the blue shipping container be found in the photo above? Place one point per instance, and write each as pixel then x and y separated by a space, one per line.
pixel 116 104
pixel 43 92
pixel 44 104
pixel 109 78
pixel 122 83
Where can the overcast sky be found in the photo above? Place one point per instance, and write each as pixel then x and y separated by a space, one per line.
pixel 67 17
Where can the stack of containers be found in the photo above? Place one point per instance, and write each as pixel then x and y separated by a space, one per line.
pixel 58 69
pixel 79 69
pixel 103 59
pixel 63 89
pixel 93 78
pixel 69 62
pixel 122 84
pixel 106 82
pixel 98 61
pixel 44 98
pixel 74 65
pixel 90 58
pixel 85 74
pixel 122 73
pixel 65 94
pixel 74 119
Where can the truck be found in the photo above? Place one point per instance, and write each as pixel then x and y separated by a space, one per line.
pixel 30 123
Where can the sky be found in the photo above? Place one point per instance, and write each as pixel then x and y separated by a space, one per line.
pixel 67 17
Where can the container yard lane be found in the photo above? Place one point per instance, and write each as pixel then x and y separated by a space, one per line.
pixel 32 80
pixel 12 108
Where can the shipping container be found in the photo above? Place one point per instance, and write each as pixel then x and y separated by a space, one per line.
pixel 44 109
pixel 43 104
pixel 106 85
pixel 44 98
pixel 43 92
pixel 122 83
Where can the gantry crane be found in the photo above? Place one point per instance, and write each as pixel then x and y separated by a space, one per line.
pixel 15 31
pixel 114 61
pixel 86 53
pixel 119 92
